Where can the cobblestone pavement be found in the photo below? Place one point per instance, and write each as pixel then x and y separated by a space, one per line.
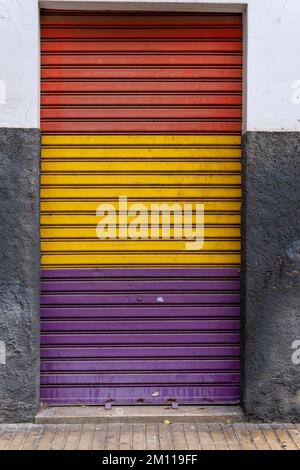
pixel 150 437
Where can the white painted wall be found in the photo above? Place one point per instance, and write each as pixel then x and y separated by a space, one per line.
pixel 272 96
pixel 19 63
pixel 273 65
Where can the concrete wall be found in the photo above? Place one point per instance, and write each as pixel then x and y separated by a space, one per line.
pixel 19 273
pixel 271 275
pixel 271 217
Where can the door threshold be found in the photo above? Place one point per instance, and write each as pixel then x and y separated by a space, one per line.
pixel 141 414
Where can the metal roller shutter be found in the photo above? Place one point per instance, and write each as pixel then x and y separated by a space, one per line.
pixel 146 106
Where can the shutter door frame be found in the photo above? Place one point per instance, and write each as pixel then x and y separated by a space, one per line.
pixel 131 321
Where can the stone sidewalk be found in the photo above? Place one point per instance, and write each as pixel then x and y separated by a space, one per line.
pixel 166 436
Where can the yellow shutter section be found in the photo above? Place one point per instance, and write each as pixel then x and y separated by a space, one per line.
pixel 81 172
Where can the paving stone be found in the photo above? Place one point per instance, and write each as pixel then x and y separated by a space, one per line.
pixel 32 438
pixel 258 437
pixel 230 437
pixel 244 437
pixel 218 437
pixel 7 433
pixel 270 436
pixel 125 436
pixel 113 437
pixel 152 439
pixel 99 440
pixel 73 437
pixel 165 437
pixel 87 437
pixel 286 442
pixel 192 437
pixel 137 436
pixel 46 437
pixel 60 436
pixel 205 438
pixel 294 433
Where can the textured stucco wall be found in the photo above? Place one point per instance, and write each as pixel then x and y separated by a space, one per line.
pixel 271 297
pixel 19 273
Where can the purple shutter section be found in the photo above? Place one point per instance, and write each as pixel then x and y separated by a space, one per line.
pixel 147 336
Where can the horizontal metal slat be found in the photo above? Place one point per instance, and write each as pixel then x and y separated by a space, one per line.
pixel 93 33
pixel 128 113
pixel 142 59
pixel 142 365
pixel 146 141
pixel 121 19
pixel 88 47
pixel 140 351
pixel 141 73
pixel 134 311
pixel 90 206
pixel 141 246
pixel 141 339
pixel 136 379
pixel 88 232
pixel 65 88
pixel 59 103
pixel 103 192
pixel 159 325
pixel 181 298
pixel 161 285
pixel 92 260
pixel 93 220
pixel 169 273
pixel 135 179
pixel 91 127
pixel 152 394
pixel 152 152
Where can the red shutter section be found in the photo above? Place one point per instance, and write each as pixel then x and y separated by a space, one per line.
pixel 135 73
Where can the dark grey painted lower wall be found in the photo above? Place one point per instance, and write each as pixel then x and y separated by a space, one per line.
pixel 271 275
pixel 19 273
